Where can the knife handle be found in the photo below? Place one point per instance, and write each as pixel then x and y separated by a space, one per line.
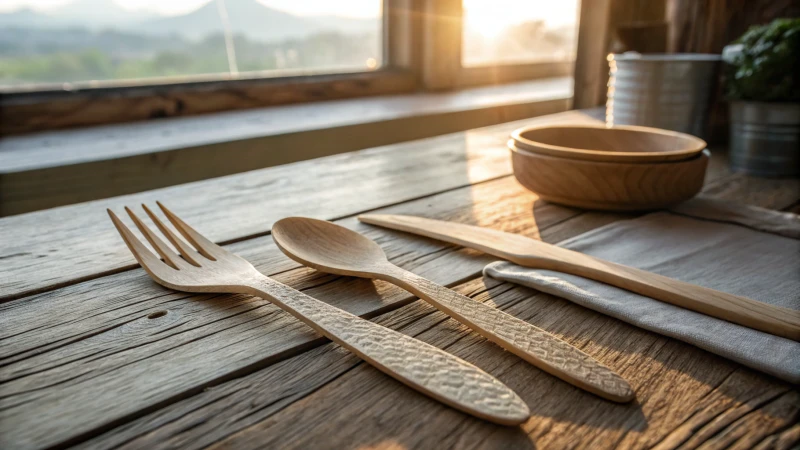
pixel 530 343
pixel 420 366
pixel 743 311
pixel 773 319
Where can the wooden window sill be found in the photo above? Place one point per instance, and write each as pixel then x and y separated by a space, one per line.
pixel 53 168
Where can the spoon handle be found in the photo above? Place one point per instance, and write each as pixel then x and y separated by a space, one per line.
pixel 420 366
pixel 530 343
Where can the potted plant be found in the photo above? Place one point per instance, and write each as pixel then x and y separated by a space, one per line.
pixel 761 80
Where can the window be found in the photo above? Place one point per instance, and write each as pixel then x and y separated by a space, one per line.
pixel 52 42
pixel 519 32
pixel 68 63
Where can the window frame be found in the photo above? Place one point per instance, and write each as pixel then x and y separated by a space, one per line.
pixel 421 50
pixel 443 67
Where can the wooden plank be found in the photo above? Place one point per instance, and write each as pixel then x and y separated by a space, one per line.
pixel 78 242
pixel 103 341
pixel 53 365
pixel 35 189
pixel 61 148
pixel 593 29
pixel 326 398
pixel 507 73
pixel 31 112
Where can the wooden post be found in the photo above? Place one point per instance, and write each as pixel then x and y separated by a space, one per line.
pixel 441 53
pixel 599 20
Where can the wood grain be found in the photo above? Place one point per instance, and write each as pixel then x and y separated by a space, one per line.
pixel 335 249
pixel 683 391
pixel 103 339
pixel 189 370
pixel 609 186
pixel 76 243
pixel 37 111
pixel 45 170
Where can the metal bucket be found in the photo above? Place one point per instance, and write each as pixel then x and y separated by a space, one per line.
pixel 765 138
pixel 670 91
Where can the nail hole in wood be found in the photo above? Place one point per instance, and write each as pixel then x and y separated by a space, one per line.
pixel 157 314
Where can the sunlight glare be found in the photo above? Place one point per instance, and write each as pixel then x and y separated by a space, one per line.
pixel 490 18
pixel 488 26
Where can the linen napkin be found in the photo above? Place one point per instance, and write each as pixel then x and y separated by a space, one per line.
pixel 747 251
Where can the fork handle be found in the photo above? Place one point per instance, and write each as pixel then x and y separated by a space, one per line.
pixel 530 343
pixel 420 366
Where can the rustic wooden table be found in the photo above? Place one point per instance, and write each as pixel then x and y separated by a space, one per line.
pixel 93 353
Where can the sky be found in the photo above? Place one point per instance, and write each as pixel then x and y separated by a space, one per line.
pixel 488 16
pixel 348 8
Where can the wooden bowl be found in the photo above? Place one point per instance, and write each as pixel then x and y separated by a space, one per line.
pixel 598 143
pixel 609 186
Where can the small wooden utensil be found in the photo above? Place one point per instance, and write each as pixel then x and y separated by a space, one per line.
pixel 206 267
pixel 540 255
pixel 335 249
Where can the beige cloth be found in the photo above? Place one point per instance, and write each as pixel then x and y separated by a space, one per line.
pixel 746 251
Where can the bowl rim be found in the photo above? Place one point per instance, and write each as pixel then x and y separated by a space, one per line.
pixel 527 154
pixel 694 146
pixel 666 57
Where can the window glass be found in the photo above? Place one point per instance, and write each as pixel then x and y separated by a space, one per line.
pixel 43 42
pixel 519 31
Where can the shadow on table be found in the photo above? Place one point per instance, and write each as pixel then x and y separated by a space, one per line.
pixel 670 356
pixel 651 358
pixel 547 396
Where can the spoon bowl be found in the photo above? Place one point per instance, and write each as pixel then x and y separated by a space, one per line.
pixel 328 247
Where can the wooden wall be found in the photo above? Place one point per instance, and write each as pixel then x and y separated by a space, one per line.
pixel 706 26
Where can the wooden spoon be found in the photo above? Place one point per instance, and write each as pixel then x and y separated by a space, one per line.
pixel 331 248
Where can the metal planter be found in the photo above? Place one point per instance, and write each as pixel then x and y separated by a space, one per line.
pixel 765 138
pixel 670 91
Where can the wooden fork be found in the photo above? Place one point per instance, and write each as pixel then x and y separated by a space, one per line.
pixel 202 266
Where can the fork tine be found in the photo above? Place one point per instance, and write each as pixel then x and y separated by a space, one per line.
pixel 170 257
pixel 146 258
pixel 203 245
pixel 188 253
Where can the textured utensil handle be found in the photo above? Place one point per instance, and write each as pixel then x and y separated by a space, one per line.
pixel 530 343
pixel 421 366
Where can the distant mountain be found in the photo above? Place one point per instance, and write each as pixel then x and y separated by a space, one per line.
pixel 247 17
pixel 28 18
pixel 91 14
pixel 256 21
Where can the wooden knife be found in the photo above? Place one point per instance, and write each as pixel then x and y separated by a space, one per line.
pixel 529 252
